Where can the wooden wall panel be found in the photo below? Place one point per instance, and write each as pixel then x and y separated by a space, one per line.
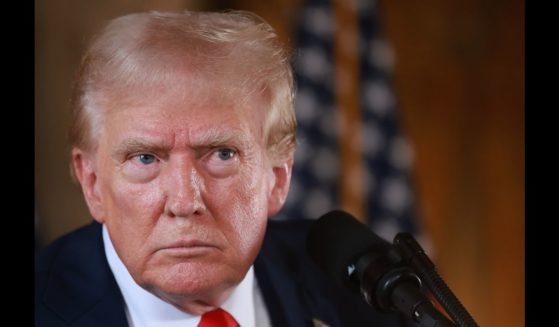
pixel 459 72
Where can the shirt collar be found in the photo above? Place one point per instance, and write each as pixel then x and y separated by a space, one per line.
pixel 145 309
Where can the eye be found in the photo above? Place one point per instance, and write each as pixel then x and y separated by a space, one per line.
pixel 222 162
pixel 141 167
pixel 225 153
pixel 146 159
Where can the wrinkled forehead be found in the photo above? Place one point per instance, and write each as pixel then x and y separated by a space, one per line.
pixel 190 76
pixel 201 93
pixel 189 80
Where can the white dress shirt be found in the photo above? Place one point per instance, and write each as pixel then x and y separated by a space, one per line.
pixel 144 309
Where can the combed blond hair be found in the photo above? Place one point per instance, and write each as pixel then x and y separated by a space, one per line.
pixel 139 52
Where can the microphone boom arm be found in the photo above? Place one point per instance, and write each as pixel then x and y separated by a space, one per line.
pixel 414 256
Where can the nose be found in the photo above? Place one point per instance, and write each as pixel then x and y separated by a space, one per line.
pixel 184 189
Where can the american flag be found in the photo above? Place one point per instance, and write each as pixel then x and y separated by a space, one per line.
pixel 385 156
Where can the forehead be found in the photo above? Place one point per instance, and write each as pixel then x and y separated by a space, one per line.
pixel 187 109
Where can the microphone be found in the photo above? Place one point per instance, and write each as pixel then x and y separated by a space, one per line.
pixel 362 261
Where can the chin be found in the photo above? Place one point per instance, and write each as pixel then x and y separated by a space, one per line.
pixel 188 284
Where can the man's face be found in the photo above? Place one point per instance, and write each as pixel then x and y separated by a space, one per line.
pixel 184 188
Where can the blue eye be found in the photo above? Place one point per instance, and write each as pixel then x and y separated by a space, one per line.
pixel 225 153
pixel 146 159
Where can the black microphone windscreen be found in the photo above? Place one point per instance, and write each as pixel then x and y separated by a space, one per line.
pixel 336 240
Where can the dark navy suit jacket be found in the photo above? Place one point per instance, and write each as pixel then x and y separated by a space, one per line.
pixel 74 285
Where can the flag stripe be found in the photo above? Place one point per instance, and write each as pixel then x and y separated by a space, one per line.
pixel 351 153
pixel 349 113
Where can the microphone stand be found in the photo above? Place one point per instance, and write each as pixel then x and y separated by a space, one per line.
pixel 413 256
pixel 397 288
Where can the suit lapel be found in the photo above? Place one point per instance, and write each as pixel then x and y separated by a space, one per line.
pixel 291 296
pixel 280 293
pixel 81 288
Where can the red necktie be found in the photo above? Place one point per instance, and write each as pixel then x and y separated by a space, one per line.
pixel 217 318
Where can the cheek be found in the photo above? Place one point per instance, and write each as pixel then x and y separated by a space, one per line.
pixel 134 201
pixel 132 213
pixel 132 210
pixel 249 207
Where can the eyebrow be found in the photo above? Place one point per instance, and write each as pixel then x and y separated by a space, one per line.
pixel 215 137
pixel 138 145
pixel 212 137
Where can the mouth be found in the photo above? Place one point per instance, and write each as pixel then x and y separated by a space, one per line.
pixel 190 248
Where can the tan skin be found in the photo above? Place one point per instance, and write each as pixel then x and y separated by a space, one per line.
pixel 185 188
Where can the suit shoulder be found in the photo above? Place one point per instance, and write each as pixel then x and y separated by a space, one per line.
pixel 74 284
pixel 83 236
pixel 290 230
pixel 288 237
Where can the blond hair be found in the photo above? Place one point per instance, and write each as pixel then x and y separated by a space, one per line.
pixel 138 51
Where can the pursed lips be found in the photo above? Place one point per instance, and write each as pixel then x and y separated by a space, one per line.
pixel 189 244
pixel 188 248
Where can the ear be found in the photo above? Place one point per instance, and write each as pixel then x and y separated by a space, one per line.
pixel 280 188
pixel 85 169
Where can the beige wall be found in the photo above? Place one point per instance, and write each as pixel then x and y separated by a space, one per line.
pixel 459 76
